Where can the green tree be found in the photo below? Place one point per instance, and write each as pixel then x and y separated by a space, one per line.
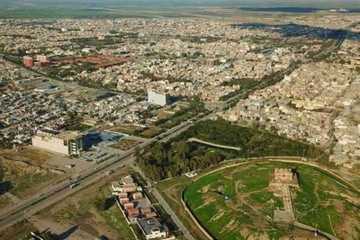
pixel 1 172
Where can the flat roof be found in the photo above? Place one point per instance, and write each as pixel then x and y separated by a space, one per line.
pixel 150 225
pixel 66 135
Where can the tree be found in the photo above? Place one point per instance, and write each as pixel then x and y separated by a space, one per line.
pixel 73 122
pixel 196 105
pixel 104 204
pixel 1 172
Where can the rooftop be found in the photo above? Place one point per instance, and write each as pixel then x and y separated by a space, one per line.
pixel 151 225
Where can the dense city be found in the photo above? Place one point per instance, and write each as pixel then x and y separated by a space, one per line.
pixel 152 128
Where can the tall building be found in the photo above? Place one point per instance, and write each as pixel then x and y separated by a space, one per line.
pixel 157 98
pixel 68 143
pixel 28 61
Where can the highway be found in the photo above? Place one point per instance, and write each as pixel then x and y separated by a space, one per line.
pixel 53 194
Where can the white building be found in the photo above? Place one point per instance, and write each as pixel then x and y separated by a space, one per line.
pixel 68 143
pixel 153 229
pixel 41 58
pixel 157 98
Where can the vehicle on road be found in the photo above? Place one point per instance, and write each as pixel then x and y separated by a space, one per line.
pixel 73 185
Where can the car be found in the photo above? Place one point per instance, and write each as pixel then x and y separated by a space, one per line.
pixel 73 185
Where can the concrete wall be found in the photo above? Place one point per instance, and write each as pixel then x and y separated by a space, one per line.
pixel 50 144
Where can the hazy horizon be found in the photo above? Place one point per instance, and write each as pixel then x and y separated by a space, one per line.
pixel 325 4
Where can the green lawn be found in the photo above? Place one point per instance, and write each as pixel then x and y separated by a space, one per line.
pixel 171 190
pixel 230 202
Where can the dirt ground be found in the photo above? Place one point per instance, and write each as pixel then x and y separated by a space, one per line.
pixel 78 210
pixel 77 218
pixel 17 231
pixel 44 159
pixel 27 170
pixel 125 144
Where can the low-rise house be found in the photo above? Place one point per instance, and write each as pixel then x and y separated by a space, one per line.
pixel 152 228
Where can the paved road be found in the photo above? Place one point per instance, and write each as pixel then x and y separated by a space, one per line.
pixel 314 230
pixel 53 194
pixel 173 215
pixel 47 197
pixel 196 140
pixel 285 159
pixel 166 207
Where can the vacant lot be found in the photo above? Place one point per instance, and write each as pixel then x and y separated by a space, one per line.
pixel 82 210
pixel 19 231
pixel 235 203
pixel 25 171
pixel 125 144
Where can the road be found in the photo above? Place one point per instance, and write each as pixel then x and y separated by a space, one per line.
pixel 196 140
pixel 173 215
pixel 281 159
pixel 61 190
pixel 47 197
pixel 157 195
pixel 53 194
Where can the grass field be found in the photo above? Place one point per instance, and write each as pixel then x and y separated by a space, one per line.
pixel 172 190
pixel 235 203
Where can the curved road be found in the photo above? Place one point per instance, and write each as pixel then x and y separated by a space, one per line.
pixel 196 140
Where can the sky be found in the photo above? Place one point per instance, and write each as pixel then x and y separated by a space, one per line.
pixel 175 3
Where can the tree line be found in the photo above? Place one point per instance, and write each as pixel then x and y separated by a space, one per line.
pixel 176 157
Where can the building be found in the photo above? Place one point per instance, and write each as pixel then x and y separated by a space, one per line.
pixel 152 228
pixel 282 180
pixel 69 142
pixel 41 58
pixel 28 61
pixel 284 176
pixel 157 98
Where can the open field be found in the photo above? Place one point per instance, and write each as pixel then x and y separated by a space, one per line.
pixel 127 129
pixel 82 210
pixel 19 231
pixel 125 144
pixel 25 171
pixel 230 202
pixel 4 201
